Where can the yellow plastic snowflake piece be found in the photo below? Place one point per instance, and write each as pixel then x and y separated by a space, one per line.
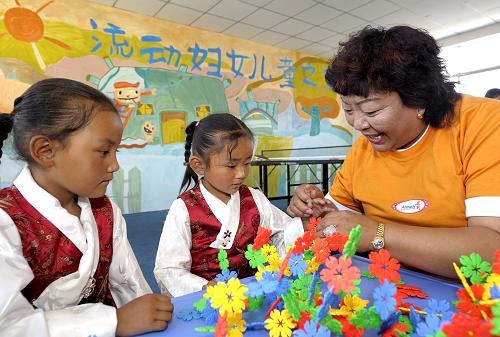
pixel 493 279
pixel 235 325
pixel 228 297
pixel 280 324
pixel 350 306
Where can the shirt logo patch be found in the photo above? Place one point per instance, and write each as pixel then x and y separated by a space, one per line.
pixel 410 206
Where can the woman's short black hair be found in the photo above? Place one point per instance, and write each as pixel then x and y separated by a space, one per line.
pixel 401 59
pixel 493 93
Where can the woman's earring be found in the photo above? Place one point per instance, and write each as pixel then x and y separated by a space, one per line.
pixel 420 115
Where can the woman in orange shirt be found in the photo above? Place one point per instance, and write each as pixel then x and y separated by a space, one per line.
pixel 424 179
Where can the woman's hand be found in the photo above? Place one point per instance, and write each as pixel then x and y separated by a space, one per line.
pixel 308 201
pixel 344 221
pixel 147 313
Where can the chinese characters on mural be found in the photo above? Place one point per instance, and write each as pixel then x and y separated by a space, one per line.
pixel 160 52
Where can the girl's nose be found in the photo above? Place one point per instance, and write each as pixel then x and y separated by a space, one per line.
pixel 113 165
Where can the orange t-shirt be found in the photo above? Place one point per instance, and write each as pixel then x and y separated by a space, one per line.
pixel 447 176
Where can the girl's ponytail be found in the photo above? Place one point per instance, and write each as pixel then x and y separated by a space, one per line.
pixel 189 175
pixel 6 123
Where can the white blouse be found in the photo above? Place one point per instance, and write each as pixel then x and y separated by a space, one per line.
pixel 173 259
pixel 58 312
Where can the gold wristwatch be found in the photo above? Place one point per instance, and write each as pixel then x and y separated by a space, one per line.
pixel 378 241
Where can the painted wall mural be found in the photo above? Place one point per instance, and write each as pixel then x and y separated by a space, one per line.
pixel 161 76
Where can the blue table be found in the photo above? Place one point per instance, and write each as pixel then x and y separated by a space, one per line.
pixel 436 288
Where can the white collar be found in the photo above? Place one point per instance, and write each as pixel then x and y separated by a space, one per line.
pixel 418 140
pixel 50 207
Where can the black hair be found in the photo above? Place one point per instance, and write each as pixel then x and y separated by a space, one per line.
pixel 493 93
pixel 401 59
pixel 54 108
pixel 211 135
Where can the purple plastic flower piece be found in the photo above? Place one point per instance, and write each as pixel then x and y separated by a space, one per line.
pixel 297 264
pixel 311 330
pixel 226 275
pixel 384 299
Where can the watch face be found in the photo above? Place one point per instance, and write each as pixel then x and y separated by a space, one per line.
pixel 378 243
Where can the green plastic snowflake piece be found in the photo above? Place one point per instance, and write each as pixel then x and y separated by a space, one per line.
pixel 352 244
pixel 406 321
pixel 332 324
pixel 366 318
pixel 308 255
pixel 200 305
pixel 291 305
pixel 474 268
pixel 222 257
pixel 367 274
pixel 301 286
pixel 255 303
pixel 440 334
pixel 496 320
pixel 255 257
pixel 205 329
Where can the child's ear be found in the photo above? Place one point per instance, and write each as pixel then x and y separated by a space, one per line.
pixel 197 164
pixel 42 150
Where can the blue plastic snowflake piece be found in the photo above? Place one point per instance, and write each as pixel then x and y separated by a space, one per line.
pixel 226 275
pixel 255 325
pixel 269 282
pixel 210 315
pixel 254 289
pixel 188 314
pixel 312 286
pixel 283 286
pixel 389 322
pixel 311 330
pixel 430 326
pixel 384 299
pixel 297 264
pixel 442 307
pixel 415 317
pixel 330 300
pixel 494 291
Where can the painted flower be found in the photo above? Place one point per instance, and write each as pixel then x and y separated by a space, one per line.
pixel 321 250
pixel 280 324
pixel 351 304
pixel 311 329
pixel 340 274
pixel 229 297
pixel 474 268
pixel 384 301
pixel 297 265
pixel 383 266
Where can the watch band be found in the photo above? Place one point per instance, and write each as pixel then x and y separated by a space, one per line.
pixel 378 241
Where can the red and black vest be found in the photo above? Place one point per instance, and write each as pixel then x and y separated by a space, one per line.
pixel 205 227
pixel 50 254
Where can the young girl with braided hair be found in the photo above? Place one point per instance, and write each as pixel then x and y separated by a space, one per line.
pixel 219 211
pixel 67 268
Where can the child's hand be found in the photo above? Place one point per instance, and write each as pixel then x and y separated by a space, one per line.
pixel 147 313
pixel 209 284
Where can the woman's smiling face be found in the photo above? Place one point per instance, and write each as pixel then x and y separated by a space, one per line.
pixel 384 120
